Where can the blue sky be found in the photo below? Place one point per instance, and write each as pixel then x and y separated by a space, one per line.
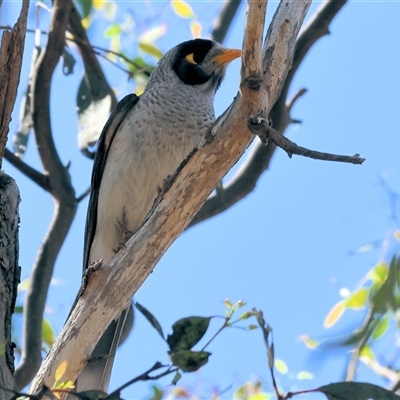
pixel 286 248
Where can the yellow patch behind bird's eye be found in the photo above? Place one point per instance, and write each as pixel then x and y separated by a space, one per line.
pixel 190 58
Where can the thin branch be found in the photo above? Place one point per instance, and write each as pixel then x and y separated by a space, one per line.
pixel 89 58
pixel 144 377
pixel 224 20
pixel 31 173
pixel 258 161
pixel 261 128
pixel 61 189
pixel 83 195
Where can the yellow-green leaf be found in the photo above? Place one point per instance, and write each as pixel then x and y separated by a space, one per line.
pixel 86 21
pixel 24 285
pixel 227 303
pixel 182 9
pixel 246 315
pixel 150 49
pixel 259 396
pixel 60 371
pixel 334 315
pixel 195 28
pixel 366 353
pixel 112 31
pixel 281 366
pixel 153 34
pixel 48 335
pixel 381 328
pixel 358 299
pixel 305 375
pixel 98 4
pixel 379 273
pixel 312 344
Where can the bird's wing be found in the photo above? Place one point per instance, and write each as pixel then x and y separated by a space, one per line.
pixel 97 375
pixel 105 141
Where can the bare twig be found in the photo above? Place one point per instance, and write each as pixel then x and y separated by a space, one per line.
pixel 261 128
pixel 259 159
pixel 61 190
pixel 31 173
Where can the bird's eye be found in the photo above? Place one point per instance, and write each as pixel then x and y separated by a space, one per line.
pixel 195 58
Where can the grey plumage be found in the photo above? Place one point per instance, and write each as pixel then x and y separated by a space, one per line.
pixel 144 141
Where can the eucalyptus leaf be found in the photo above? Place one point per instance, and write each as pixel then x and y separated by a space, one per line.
pixel 151 318
pixel 189 361
pixel 356 391
pixel 187 332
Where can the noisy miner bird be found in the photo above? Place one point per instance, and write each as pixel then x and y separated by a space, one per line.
pixel 144 141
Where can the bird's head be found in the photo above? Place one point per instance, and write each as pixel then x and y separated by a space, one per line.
pixel 201 63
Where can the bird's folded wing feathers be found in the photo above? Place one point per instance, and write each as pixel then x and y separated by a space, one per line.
pixel 105 141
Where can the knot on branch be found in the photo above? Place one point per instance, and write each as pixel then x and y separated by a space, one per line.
pixel 253 82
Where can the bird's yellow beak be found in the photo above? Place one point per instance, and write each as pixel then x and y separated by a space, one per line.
pixel 227 56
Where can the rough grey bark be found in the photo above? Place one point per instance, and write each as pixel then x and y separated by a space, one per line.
pixel 11 51
pixel 9 277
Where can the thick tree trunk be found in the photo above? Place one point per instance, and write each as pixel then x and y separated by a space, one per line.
pixel 9 277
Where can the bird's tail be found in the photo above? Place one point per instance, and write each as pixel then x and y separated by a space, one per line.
pixel 97 373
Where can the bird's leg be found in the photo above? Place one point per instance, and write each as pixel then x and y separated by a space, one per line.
pixel 87 273
pixel 124 238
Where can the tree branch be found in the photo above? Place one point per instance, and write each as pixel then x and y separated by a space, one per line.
pixel 111 287
pixel 11 52
pixel 259 159
pixel 12 48
pixel 262 129
pixel 60 188
pixel 224 20
pixel 31 173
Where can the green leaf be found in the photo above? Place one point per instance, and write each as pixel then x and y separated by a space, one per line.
pixel 113 31
pixel 94 395
pixel 18 309
pixel 367 353
pixel 281 366
pixel 357 300
pixel 48 335
pixel 356 391
pixel 86 6
pixel 379 273
pixel 381 329
pixel 246 315
pixel 157 393
pixel 187 332
pixel 259 396
pixel 189 361
pixel 177 377
pixel 151 318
